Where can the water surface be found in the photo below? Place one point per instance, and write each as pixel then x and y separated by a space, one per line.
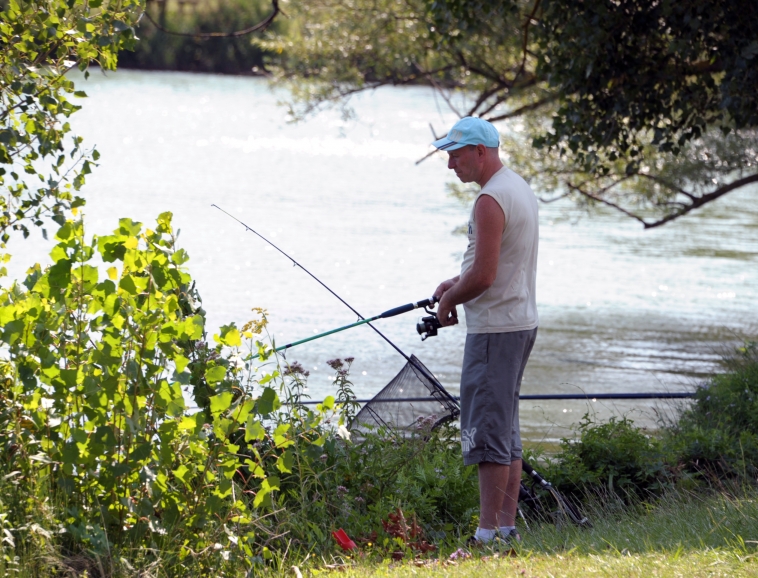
pixel 621 309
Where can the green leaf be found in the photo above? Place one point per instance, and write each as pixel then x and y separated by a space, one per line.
pixel 229 335
pixel 221 402
pixel 268 402
pixel 285 462
pixel 128 227
pixel 215 374
pixel 263 497
pixel 133 284
pixel 59 275
pixel 254 430
pixel 280 438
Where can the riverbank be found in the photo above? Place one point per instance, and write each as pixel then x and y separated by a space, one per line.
pixel 159 50
pixel 673 501
pixel 681 534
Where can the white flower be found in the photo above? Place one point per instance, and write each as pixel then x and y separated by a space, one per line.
pixel 237 362
pixel 343 432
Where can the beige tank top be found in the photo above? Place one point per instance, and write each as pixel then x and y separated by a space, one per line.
pixel 510 304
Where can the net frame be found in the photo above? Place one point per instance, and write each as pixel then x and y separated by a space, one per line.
pixel 413 396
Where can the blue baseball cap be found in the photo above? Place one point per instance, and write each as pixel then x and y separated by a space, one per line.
pixel 470 130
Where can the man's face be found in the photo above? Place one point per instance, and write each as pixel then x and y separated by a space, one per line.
pixel 466 162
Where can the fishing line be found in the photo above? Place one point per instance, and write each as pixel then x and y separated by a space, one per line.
pixel 319 281
pixel 410 360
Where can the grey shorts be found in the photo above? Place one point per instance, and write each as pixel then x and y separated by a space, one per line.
pixel 493 365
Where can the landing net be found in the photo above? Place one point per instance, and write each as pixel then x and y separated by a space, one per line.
pixel 412 397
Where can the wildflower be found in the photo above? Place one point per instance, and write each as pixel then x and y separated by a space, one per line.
pixel 349 359
pixel 323 457
pixel 460 553
pixel 236 361
pixel 341 491
pixel 343 432
pixel 359 499
pixel 335 363
pixel 295 368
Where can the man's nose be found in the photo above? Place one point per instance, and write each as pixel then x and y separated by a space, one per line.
pixel 450 163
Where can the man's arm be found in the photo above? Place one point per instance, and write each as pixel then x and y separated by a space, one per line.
pixel 490 223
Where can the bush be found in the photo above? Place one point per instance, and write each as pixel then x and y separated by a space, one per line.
pixel 615 457
pixel 356 484
pixel 99 452
pixel 718 434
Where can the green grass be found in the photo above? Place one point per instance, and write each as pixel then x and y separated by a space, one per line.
pixel 680 535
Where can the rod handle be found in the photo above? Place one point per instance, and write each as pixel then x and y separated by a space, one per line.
pixel 407 307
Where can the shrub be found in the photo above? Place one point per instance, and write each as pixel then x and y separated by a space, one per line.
pixel 718 433
pixel 98 449
pixel 615 457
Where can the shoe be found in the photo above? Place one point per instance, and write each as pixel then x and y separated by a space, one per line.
pixel 497 543
pixel 511 537
pixel 474 542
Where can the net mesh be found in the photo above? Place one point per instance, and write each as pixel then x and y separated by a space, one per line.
pixel 413 395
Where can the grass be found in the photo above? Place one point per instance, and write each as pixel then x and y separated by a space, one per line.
pixel 682 534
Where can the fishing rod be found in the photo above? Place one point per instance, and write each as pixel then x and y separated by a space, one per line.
pixel 417 366
pixel 389 313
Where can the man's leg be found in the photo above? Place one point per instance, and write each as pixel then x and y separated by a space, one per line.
pixel 498 494
pixel 509 506
pixel 493 486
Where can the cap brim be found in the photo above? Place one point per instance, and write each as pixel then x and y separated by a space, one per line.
pixel 445 144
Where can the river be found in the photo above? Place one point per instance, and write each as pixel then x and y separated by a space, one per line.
pixel 621 309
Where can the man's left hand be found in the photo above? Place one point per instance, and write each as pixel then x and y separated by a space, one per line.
pixel 446 313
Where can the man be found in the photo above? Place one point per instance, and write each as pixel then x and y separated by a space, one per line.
pixel 497 290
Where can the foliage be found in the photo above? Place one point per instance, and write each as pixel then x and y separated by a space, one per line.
pixel 635 68
pixel 95 427
pixel 345 47
pixel 718 434
pixel 627 103
pixel 101 454
pixel 614 457
pixel 713 440
pixel 157 50
pixel 41 165
pixel 338 479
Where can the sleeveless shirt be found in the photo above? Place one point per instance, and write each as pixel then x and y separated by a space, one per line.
pixel 510 304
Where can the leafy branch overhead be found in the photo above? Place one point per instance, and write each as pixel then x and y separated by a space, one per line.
pixel 42 165
pixel 650 108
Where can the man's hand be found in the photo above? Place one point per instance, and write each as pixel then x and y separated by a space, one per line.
pixel 446 312
pixel 443 287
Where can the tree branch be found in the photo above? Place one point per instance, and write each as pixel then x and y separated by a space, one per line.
pixel 605 202
pixel 528 21
pixel 702 200
pixel 669 185
pixel 262 25
pixel 526 108
pixel 685 208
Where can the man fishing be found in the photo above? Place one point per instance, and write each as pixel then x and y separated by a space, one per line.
pixel 496 287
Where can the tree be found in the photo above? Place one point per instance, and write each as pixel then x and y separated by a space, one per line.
pixel 649 107
pixel 42 166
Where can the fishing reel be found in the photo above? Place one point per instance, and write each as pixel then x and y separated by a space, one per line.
pixel 428 325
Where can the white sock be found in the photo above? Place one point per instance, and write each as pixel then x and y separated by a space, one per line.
pixel 506 530
pixel 484 535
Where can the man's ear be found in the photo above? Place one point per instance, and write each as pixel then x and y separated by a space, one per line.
pixel 481 150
